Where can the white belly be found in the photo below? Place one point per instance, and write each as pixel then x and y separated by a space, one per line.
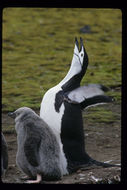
pixel 53 119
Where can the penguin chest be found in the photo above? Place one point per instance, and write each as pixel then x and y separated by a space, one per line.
pixel 48 112
pixel 53 118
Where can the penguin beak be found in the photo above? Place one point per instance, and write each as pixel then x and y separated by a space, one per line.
pixel 76 43
pixel 12 114
pixel 77 49
pixel 81 44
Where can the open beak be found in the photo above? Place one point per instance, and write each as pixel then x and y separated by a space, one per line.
pixel 76 42
pixel 81 44
pixel 77 45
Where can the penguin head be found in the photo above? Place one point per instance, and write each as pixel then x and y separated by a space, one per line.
pixel 12 114
pixel 20 112
pixel 78 67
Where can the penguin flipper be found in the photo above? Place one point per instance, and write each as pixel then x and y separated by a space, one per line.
pixel 90 95
pixel 96 100
pixel 32 144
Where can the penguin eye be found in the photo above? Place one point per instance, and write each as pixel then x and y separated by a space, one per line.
pixel 17 113
pixel 81 54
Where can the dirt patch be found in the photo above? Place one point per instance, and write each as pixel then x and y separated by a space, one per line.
pixel 103 143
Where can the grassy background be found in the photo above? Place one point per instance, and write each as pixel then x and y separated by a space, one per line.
pixel 37 50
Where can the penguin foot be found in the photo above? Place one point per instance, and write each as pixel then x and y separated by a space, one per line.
pixel 25 177
pixel 38 180
pixel 95 164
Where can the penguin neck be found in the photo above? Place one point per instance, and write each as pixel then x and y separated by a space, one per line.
pixel 71 73
pixel 73 76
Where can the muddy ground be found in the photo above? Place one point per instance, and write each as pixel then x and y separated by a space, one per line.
pixel 103 143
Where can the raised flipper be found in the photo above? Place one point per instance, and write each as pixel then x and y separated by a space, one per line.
pixel 96 100
pixel 90 95
pixel 86 96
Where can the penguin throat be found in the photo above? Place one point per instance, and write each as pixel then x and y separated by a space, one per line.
pixel 73 83
pixel 78 59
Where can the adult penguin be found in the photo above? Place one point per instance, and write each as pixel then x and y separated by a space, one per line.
pixel 61 109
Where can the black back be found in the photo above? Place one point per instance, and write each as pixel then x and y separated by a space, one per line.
pixel 72 136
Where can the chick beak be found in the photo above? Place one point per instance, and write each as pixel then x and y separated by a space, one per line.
pixel 12 114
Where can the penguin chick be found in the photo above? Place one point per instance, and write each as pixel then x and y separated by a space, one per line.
pixel 4 155
pixel 38 153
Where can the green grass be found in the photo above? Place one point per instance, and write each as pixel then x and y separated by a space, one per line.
pixel 37 50
pixel 101 114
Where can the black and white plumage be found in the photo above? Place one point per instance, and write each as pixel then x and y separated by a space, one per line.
pixel 62 106
pixel 4 155
pixel 38 153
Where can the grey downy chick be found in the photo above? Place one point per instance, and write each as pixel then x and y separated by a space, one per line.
pixel 38 150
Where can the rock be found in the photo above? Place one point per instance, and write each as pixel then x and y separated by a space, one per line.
pixel 86 29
